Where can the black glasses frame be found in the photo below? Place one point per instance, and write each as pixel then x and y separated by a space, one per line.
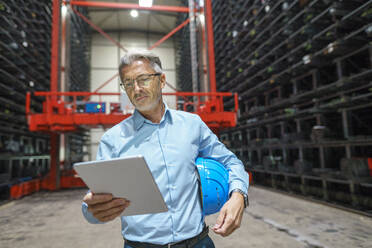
pixel 140 84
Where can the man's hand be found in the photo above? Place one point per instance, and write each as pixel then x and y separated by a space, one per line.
pixel 230 215
pixel 103 207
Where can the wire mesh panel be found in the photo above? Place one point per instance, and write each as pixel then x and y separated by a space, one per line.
pixel 183 56
pixel 79 55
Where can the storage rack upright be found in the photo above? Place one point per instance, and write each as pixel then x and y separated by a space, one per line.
pixel 303 72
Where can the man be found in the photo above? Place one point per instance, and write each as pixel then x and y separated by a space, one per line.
pixel 170 141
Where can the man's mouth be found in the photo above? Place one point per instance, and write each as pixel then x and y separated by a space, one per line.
pixel 140 98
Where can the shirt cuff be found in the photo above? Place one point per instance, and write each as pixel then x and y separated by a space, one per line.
pixel 238 185
pixel 88 215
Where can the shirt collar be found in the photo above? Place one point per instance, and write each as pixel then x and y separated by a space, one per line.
pixel 139 119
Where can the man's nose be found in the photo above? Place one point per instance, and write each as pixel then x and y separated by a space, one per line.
pixel 136 87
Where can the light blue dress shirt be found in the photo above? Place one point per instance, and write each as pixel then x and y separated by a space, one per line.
pixel 170 149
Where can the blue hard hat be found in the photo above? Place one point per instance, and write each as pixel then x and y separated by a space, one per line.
pixel 214 179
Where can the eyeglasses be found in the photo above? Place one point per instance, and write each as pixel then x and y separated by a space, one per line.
pixel 143 80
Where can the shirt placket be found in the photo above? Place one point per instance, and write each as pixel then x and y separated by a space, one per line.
pixel 169 171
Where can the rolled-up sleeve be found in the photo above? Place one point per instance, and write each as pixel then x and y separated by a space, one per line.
pixel 210 146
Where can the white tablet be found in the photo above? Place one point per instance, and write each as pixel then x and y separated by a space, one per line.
pixel 127 177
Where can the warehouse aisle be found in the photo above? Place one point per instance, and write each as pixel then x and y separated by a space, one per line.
pixel 273 220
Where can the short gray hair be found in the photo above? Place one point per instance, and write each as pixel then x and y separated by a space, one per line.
pixel 148 56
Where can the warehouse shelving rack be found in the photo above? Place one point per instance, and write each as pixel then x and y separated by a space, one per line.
pixel 24 66
pixel 303 72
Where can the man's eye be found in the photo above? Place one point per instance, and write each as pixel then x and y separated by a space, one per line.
pixel 143 79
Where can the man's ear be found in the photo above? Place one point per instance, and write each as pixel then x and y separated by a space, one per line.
pixel 162 80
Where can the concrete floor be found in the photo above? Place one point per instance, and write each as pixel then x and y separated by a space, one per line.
pixel 273 220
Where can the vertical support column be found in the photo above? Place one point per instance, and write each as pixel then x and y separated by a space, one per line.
pixel 353 186
pixel 294 87
pixel 64 48
pixel 249 154
pixel 300 147
pixel 270 136
pixel 345 124
pixel 315 81
pixel 54 67
pixel 259 156
pixel 210 39
pixel 193 48
pixel 354 190
pixel 267 100
pixel 54 175
pixel 269 131
pixel 301 158
pixel 10 169
pixel 286 182
pixel 203 52
pixel 323 156
pixel 325 189
pixel 346 130
pixel 245 108
pixel 53 179
pixel 282 132
pixel 322 152
pixel 339 69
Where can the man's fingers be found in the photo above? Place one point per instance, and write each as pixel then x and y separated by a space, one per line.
pixel 227 228
pixel 113 214
pixel 220 219
pixel 225 231
pixel 231 222
pixel 110 213
pixel 110 218
pixel 91 198
pixel 107 205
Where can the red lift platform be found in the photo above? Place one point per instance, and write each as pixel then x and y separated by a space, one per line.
pixel 61 116
pixel 65 116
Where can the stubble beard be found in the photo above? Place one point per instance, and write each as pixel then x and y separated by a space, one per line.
pixel 149 106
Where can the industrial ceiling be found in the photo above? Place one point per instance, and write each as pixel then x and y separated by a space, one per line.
pixel 111 20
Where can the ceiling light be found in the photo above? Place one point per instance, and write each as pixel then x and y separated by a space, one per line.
pixel 134 13
pixel 145 3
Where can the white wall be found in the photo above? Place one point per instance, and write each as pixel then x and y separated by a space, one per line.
pixel 105 61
